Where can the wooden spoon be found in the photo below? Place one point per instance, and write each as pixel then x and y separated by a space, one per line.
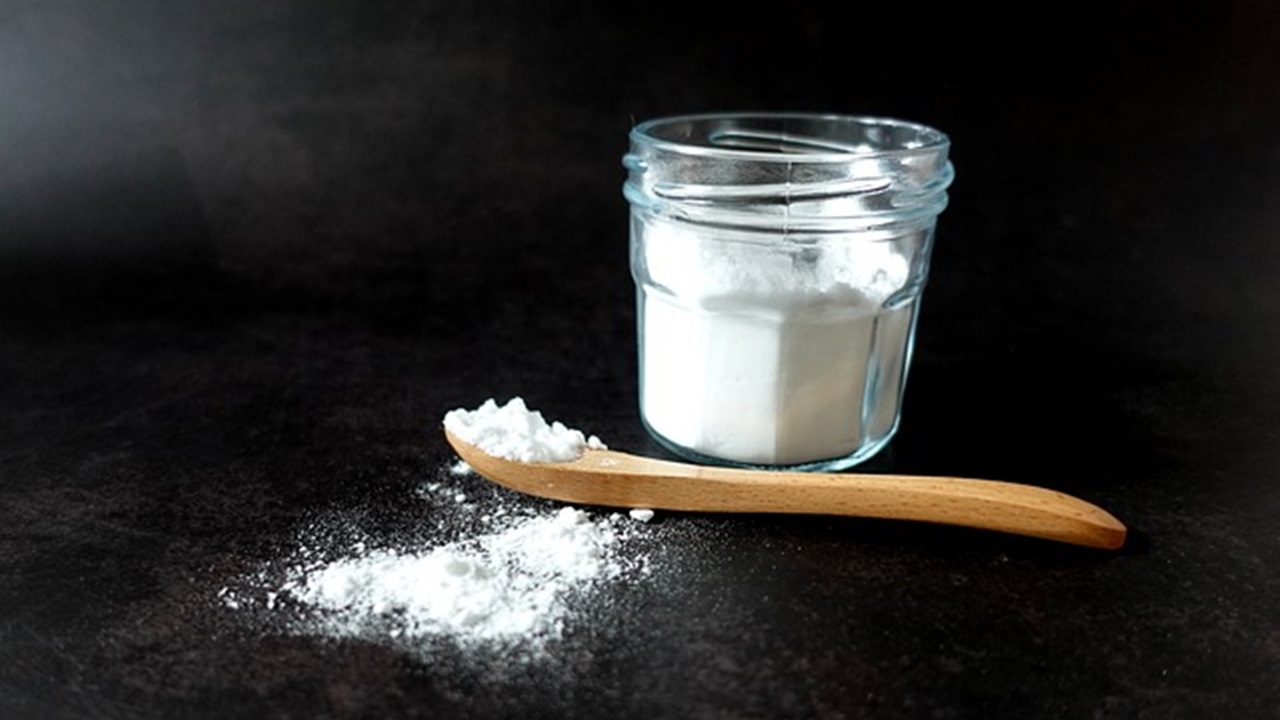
pixel 615 479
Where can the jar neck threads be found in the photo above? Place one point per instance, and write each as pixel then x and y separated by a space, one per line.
pixel 811 173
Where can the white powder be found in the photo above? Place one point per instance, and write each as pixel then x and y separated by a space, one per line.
pixel 515 432
pixel 508 585
pixel 760 355
pixel 512 583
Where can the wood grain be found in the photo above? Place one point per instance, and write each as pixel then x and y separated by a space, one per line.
pixel 616 479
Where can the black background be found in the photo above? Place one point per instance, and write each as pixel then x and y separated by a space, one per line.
pixel 251 252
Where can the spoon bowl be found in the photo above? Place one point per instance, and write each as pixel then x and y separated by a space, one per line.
pixel 616 479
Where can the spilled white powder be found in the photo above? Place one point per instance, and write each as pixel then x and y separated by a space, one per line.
pixel 510 585
pixel 515 432
pixel 511 581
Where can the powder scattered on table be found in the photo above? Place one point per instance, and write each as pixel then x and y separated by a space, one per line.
pixel 503 586
pixel 515 576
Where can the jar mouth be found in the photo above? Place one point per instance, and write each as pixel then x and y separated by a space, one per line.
pixel 788 172
pixel 789 137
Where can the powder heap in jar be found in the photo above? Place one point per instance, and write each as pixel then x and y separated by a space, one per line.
pixel 770 353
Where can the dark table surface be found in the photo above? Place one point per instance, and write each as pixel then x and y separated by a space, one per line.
pixel 251 252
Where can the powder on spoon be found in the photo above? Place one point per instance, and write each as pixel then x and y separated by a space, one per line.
pixel 515 432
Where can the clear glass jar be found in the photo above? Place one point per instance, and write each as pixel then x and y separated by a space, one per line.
pixel 779 261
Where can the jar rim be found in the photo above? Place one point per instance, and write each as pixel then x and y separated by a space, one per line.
pixel 806 149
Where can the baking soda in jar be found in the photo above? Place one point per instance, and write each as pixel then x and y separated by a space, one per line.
pixel 779 261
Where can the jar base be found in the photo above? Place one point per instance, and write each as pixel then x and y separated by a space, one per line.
pixel 836 464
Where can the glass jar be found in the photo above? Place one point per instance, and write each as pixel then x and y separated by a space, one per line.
pixel 779 261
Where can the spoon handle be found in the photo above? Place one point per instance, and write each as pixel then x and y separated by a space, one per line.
pixel 615 479
pixel 986 504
